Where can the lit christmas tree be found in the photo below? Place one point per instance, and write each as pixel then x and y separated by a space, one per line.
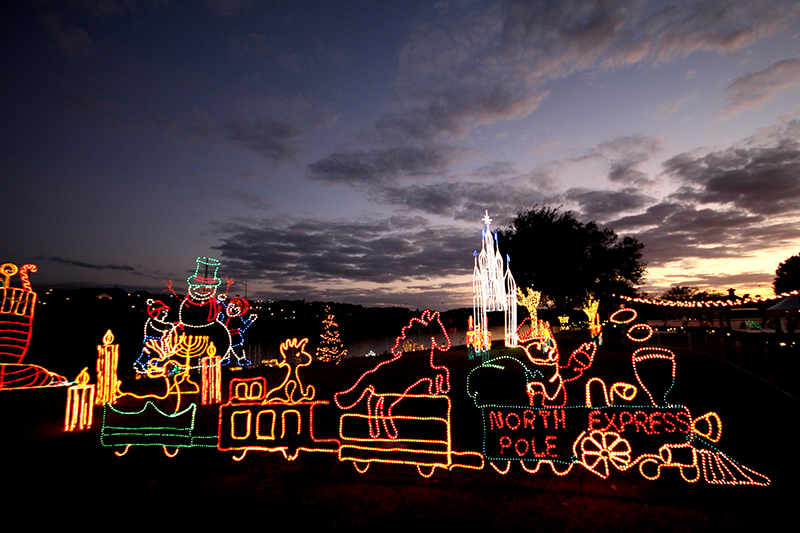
pixel 331 349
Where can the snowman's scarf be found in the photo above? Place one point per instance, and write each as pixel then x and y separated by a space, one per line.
pixel 214 307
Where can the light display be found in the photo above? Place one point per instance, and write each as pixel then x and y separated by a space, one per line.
pixel 479 339
pixel 595 327
pixel 107 363
pixel 16 322
pixel 202 313
pixel 211 377
pixel 411 427
pixel 707 303
pixel 612 430
pixel 80 404
pixel 278 419
pixel 16 313
pixel 331 349
pixel 28 376
pixel 493 290
pixel 170 360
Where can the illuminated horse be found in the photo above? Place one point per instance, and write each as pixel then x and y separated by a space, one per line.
pixel 373 383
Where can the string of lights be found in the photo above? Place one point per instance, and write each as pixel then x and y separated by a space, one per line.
pixel 708 303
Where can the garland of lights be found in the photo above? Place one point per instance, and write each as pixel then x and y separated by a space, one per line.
pixel 708 303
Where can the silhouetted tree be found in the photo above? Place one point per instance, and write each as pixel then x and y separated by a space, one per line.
pixel 569 261
pixel 787 277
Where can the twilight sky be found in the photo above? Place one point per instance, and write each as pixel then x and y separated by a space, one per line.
pixel 346 150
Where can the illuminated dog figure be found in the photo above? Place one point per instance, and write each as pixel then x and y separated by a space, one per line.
pixel 407 425
pixel 368 386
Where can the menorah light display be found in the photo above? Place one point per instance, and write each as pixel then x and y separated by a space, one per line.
pixel 171 360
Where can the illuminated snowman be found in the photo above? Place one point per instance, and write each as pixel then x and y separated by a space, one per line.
pixel 201 312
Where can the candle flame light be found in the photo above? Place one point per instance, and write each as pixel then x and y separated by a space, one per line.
pixel 80 403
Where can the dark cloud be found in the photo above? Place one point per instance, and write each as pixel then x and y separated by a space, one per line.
pixel 652 216
pixel 275 140
pixel 73 42
pixel 452 109
pixel 725 279
pixel 750 90
pixel 761 179
pixel 560 37
pixel 92 266
pixel 271 50
pixel 248 199
pixel 227 8
pixel 729 203
pixel 480 63
pixel 495 169
pixel 624 155
pixel 710 234
pixel 384 164
pixel 429 296
pixel 603 204
pixel 471 64
pixel 316 251
pixel 463 200
pixel 104 10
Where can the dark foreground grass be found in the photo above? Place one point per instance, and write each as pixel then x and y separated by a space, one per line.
pixel 53 478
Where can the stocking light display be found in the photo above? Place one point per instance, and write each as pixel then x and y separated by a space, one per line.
pixel 16 323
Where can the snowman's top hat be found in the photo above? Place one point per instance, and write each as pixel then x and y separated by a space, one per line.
pixel 204 276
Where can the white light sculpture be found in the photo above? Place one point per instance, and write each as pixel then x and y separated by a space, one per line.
pixel 493 290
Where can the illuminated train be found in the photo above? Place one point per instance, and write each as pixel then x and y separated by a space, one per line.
pixel 619 427
pixel 523 403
